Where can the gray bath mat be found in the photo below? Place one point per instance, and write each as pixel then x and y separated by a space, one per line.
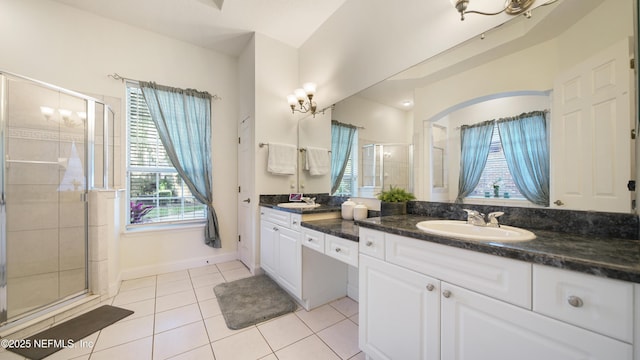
pixel 248 301
pixel 67 333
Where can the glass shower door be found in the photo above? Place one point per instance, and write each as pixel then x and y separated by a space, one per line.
pixel 45 184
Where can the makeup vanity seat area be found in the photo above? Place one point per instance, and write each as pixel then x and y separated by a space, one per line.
pixel 307 273
pixel 424 300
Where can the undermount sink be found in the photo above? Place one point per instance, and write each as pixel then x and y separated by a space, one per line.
pixel 461 230
pixel 299 206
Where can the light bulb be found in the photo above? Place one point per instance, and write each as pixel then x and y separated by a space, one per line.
pixel 300 94
pixel 310 88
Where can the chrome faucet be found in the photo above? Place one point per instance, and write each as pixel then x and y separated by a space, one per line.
pixel 308 200
pixel 493 219
pixel 477 218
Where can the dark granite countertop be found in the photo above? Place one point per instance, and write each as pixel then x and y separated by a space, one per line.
pixel 601 256
pixel 320 209
pixel 346 229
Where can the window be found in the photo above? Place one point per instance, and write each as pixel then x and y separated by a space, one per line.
pixel 156 192
pixel 496 172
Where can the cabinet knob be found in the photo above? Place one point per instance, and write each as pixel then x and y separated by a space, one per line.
pixel 575 301
pixel 369 243
pixel 295 222
pixel 430 287
pixel 275 229
pixel 338 249
pixel 446 294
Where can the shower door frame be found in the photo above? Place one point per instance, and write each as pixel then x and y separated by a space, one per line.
pixel 89 137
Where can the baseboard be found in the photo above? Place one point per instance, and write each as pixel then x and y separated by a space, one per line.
pixel 150 270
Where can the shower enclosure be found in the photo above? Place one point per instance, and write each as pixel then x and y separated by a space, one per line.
pixel 385 165
pixel 51 140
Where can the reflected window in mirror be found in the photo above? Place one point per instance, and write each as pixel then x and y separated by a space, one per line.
pixel 517 158
pixel 344 156
pixel 439 156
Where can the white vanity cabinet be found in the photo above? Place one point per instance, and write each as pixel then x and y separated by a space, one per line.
pixel 422 300
pixel 312 277
pixel 280 254
pixel 399 312
pixel 475 326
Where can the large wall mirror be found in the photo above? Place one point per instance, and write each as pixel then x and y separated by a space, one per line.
pixel 570 60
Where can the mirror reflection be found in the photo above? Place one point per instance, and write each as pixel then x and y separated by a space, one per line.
pixel 570 59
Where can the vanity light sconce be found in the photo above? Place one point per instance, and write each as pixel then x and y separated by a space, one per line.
pixel 302 99
pixel 511 7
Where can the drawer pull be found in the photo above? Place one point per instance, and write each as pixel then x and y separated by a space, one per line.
pixel 275 229
pixel 295 222
pixel 338 249
pixel 369 243
pixel 575 301
pixel 309 240
pixel 446 294
pixel 430 287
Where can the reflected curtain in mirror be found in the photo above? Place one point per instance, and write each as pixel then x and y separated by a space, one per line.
pixel 475 143
pixel 183 120
pixel 526 149
pixel 341 143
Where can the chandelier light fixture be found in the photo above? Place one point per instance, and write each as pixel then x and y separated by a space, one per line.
pixel 302 99
pixel 511 7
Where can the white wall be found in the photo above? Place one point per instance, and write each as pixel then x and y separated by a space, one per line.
pixel 276 76
pixel 381 123
pixel 315 131
pixel 76 50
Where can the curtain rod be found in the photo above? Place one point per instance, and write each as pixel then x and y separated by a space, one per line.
pixel 116 76
pixel 355 126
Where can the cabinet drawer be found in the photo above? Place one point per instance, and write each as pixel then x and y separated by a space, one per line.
pixel 313 240
pixel 341 249
pixel 598 304
pixel 295 221
pixel 277 217
pixel 371 242
pixel 498 277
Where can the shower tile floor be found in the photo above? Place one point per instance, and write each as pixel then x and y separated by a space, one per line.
pixel 178 317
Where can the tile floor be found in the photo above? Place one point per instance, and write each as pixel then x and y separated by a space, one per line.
pixel 177 317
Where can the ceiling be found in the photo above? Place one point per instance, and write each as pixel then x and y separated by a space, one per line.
pixel 223 26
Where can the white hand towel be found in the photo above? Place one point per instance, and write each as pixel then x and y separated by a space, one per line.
pixel 318 162
pixel 282 159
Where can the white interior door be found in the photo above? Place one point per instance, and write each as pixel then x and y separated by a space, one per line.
pixel 246 202
pixel 590 133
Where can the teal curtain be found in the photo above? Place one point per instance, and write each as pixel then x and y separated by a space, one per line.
pixel 341 144
pixel 475 142
pixel 183 120
pixel 526 149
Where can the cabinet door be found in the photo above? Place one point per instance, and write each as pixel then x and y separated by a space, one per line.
pixel 475 326
pixel 399 312
pixel 268 236
pixel 289 261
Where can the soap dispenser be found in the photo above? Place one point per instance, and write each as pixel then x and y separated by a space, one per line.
pixel 347 209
